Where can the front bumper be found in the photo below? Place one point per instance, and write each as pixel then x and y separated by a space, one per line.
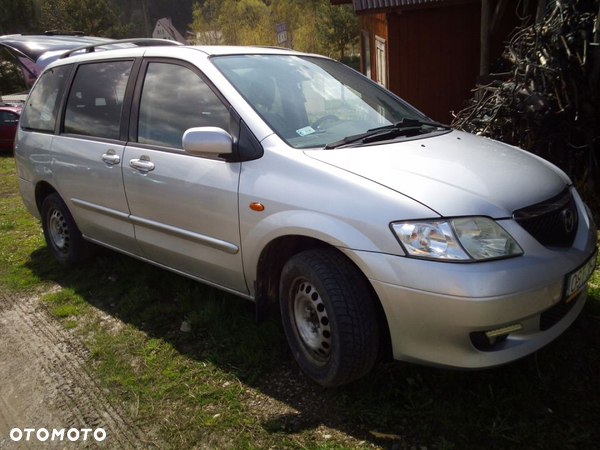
pixel 436 329
pixel 433 308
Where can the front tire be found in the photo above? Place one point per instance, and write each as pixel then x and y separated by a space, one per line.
pixel 329 317
pixel 61 232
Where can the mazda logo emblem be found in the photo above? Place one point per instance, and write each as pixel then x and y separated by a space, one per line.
pixel 569 217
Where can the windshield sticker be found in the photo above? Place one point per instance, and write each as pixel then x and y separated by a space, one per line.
pixel 306 130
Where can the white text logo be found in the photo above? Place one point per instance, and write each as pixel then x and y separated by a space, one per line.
pixel 72 434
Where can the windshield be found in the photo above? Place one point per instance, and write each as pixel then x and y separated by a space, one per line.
pixel 311 101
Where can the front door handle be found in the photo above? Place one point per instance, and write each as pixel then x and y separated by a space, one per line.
pixel 110 157
pixel 141 164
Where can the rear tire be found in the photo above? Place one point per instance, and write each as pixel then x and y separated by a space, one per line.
pixel 329 317
pixel 62 234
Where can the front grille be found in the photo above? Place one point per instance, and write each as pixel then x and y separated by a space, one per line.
pixel 552 316
pixel 553 223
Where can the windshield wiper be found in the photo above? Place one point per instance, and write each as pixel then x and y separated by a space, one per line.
pixel 409 123
pixel 395 130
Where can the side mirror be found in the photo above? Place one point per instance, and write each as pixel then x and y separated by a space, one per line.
pixel 207 141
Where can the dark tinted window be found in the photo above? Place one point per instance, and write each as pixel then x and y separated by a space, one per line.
pixel 175 99
pixel 42 104
pixel 96 99
pixel 12 80
pixel 8 118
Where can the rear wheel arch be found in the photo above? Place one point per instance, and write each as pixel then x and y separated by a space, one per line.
pixel 42 190
pixel 63 237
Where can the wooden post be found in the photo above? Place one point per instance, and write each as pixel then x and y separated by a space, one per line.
pixel 484 58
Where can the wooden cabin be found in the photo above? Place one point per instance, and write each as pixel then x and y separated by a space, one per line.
pixel 433 52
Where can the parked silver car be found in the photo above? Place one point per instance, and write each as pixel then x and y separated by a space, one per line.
pixel 289 178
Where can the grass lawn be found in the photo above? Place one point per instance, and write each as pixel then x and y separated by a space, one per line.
pixel 230 383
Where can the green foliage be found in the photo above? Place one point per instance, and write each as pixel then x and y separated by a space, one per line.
pixel 11 77
pixel 93 17
pixel 17 16
pixel 313 26
pixel 337 28
pixel 233 22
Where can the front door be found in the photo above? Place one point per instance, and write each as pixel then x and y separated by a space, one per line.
pixel 184 208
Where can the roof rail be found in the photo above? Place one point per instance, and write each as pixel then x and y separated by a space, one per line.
pixel 276 47
pixel 141 42
pixel 63 33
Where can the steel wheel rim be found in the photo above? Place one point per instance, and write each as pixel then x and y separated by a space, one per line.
pixel 59 231
pixel 311 321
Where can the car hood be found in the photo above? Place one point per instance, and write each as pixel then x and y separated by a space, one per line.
pixel 454 174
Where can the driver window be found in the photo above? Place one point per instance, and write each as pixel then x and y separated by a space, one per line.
pixel 174 99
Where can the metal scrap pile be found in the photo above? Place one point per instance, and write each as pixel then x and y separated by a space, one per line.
pixel 547 98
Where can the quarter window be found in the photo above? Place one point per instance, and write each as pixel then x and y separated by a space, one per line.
pixel 96 99
pixel 174 99
pixel 42 105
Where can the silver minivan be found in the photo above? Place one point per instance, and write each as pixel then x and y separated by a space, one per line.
pixel 291 180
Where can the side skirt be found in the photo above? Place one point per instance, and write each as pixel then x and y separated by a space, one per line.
pixel 178 272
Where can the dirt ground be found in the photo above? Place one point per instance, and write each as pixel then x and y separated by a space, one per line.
pixel 44 383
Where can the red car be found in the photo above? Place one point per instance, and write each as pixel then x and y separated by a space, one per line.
pixel 9 120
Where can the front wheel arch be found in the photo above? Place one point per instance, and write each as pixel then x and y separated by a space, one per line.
pixel 270 265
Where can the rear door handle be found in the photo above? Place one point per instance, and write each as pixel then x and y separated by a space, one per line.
pixel 141 164
pixel 110 157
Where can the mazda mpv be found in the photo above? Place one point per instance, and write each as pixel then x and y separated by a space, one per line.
pixel 291 180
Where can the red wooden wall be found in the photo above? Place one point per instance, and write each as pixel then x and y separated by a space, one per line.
pixel 432 55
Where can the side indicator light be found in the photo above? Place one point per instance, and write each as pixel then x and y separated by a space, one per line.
pixel 257 206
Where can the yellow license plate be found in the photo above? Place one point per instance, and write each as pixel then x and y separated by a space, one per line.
pixel 577 279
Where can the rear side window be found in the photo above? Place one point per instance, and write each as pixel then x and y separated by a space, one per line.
pixel 96 99
pixel 42 104
pixel 174 99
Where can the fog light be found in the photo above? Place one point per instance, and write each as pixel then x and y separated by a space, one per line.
pixel 489 341
pixel 502 331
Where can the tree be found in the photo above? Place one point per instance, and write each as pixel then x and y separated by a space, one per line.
pixel 338 27
pixel 234 22
pixel 205 23
pixel 93 17
pixel 18 16
pixel 300 17
pixel 312 25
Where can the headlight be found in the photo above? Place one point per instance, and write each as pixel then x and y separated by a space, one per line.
pixel 463 239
